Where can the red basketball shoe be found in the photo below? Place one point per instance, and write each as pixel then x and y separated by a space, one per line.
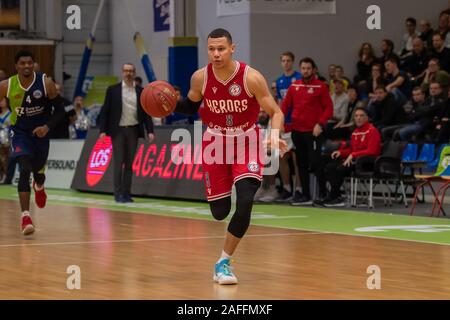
pixel 40 197
pixel 27 225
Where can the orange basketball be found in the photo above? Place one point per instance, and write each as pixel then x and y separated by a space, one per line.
pixel 158 99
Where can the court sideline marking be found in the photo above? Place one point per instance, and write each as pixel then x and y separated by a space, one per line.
pixel 159 239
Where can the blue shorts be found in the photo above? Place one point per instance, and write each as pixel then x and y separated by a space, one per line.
pixel 25 144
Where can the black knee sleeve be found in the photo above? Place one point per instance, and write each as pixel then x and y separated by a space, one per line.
pixel 25 173
pixel 245 193
pixel 220 209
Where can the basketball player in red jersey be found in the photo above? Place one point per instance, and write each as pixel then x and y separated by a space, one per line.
pixel 230 94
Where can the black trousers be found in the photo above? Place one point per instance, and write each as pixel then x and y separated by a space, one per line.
pixel 336 173
pixel 308 150
pixel 443 135
pixel 124 148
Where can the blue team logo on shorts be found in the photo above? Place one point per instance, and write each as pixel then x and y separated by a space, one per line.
pixel 253 167
pixel 37 94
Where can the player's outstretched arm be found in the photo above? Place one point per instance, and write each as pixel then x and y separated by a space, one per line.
pixel 191 104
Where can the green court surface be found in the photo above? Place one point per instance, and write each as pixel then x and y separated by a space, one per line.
pixel 364 223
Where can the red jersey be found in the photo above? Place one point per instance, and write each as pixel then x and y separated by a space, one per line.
pixel 310 103
pixel 366 141
pixel 228 106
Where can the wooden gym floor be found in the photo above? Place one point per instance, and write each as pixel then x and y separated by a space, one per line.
pixel 140 256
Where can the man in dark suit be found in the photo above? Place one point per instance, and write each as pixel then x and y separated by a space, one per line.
pixel 123 119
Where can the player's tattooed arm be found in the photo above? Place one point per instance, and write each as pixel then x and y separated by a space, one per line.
pixel 191 104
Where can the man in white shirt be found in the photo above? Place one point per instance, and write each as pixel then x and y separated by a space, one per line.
pixel 123 118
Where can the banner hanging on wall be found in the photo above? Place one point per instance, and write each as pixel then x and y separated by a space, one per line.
pixel 238 7
pixel 161 9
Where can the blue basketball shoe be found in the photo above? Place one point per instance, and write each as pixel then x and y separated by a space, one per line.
pixel 223 273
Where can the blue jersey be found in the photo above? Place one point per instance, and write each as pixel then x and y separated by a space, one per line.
pixel 283 84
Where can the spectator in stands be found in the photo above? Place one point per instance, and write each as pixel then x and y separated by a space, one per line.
pixel 443 24
pixel 366 61
pixel 283 83
pixel 376 79
pixel 387 50
pixel 311 106
pixel 339 75
pixel 365 141
pixel 443 124
pixel 331 72
pixel 422 114
pixel 434 73
pixel 417 100
pixel 340 106
pixel 319 76
pixel 343 131
pixel 440 52
pixel 416 64
pixel 408 37
pixel 397 81
pixel 387 113
pixel 273 91
pixel 426 33
pixel 5 123
pixel 138 81
pixel 2 75
pixel 61 130
pixel 80 123
pixel 289 75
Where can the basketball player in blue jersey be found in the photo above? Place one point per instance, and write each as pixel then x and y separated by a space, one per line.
pixel 36 108
pixel 289 75
pixel 283 83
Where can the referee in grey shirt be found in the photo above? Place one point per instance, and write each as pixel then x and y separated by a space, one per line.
pixel 123 119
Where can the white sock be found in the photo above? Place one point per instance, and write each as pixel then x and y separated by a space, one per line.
pixel 25 213
pixel 287 187
pixel 224 256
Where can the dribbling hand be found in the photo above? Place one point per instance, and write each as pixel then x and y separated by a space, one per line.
pixel 41 131
pixel 282 145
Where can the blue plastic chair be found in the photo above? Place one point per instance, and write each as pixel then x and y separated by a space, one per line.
pixel 410 153
pixel 427 153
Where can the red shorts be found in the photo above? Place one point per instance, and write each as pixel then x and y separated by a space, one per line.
pixel 228 159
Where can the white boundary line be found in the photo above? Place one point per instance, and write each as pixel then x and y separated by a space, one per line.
pixel 157 239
